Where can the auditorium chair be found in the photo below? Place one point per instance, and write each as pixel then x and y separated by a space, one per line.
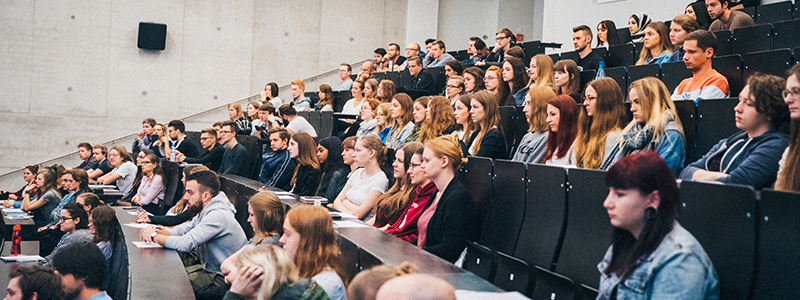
pixel 715 121
pixel 480 260
pixel 573 55
pixel 555 57
pixel 751 39
pixel 774 12
pixel 639 72
pixel 586 76
pixel 512 274
pixel 550 285
pixel 325 124
pixel 624 35
pixel 620 75
pixel 507 209
pixel 507 123
pixel 778 243
pixel 687 110
pixel 600 51
pixel 544 221
pixel 673 73
pixel 774 62
pixel 253 147
pixel 174 189
pixel 478 180
pixel 724 46
pixel 366 260
pixel 118 269
pixel 786 34
pixel 750 11
pixel 348 257
pixel 730 66
pixel 620 55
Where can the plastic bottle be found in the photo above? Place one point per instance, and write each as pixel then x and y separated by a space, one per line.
pixel 16 240
pixel 601 72
pixel 172 154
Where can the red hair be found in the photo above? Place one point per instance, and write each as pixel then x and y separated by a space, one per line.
pixel 562 140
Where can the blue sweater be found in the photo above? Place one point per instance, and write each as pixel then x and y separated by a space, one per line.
pixel 277 170
pixel 747 161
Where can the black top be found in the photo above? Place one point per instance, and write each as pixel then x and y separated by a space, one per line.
pixel 400 60
pixel 234 160
pixel 493 144
pixel 188 148
pixel 422 82
pixel 307 180
pixel 454 222
pixel 175 220
pixel 212 159
pixel 590 62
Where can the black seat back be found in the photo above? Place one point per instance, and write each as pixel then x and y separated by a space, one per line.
pixel 507 209
pixel 774 62
pixel 777 232
pixel 620 75
pixel 673 73
pixel 366 260
pixel 774 12
pixel 752 38
pixel 545 216
pixel 620 56
pixel 639 72
pixel 478 180
pixel 172 174
pixel 480 260
pixel 586 77
pixel 687 110
pixel 715 121
pixel 507 122
pixel 786 34
pixel 512 274
pixel 730 66
pixel 724 43
pixel 325 124
pixel 253 166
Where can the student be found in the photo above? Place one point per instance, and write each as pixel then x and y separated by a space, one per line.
pixel 788 179
pixel 252 111
pixel 161 146
pixel 705 83
pixel 516 77
pixel 393 57
pixel 85 153
pixel 401 120
pixel 309 238
pixel 366 71
pixel 214 151
pixel 385 91
pixel 277 170
pixel 473 80
pixel 365 284
pixel 541 72
pixel 299 100
pixel 425 287
pixel 34 282
pixel 516 52
pixel 267 272
pixel 477 50
pixel 636 25
pixel 725 18
pixel 561 120
pixel 439 119
pixel 582 41
pixel 657 47
pixel 181 212
pixel 453 68
pixel 82 268
pixel 344 75
pixel 533 145
pixel 412 50
pixel 152 188
pixel 749 157
pixel 379 54
pixel 124 171
pixel 295 123
pixel 325 94
pixel 266 121
pixel 29 176
pixel 607 34
pixel 334 171
pixel 651 253
pixel 567 79
pixel 655 126
pixel 495 84
pixel 306 175
pixel 382 126
pixel 365 185
pixel 421 80
pixel 454 88
pixel 99 153
pixel 420 106
pixel 681 26
pixel 75 225
pixel 438 55
pixel 145 137
pixel 371 87
pixel 421 191
pixel 348 148
pixel 600 122
pixel 697 10
pixel 104 226
pixel 368 116
pixel 89 201
pixel 214 232
pixel 391 204
pixel 488 139
pixel 237 116
pixel 75 182
pixel 270 94
pixel 353 105
pixel 235 156
pixel 504 39
pixel 449 222
pixel 463 120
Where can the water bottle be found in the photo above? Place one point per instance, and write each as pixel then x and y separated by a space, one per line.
pixel 172 154
pixel 16 240
pixel 601 73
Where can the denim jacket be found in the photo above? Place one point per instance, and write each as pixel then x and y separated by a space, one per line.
pixel 678 269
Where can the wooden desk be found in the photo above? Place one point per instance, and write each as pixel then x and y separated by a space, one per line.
pixel 154 273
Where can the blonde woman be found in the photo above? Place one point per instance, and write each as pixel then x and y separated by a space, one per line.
pixel 236 115
pixel 657 48
pixel 268 272
pixel 541 71
pixel 382 125
pixel 161 146
pixel 599 123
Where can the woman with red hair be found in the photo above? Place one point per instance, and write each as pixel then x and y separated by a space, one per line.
pixel 562 117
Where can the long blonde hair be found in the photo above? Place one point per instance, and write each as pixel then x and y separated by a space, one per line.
pixel 279 270
pixel 383 107
pixel 545 73
pixel 238 109
pixel 664 43
pixel 537 122
pixel 654 98
pixel 607 117
pixel 441 118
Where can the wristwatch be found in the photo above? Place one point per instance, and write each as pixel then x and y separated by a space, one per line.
pixel 153 236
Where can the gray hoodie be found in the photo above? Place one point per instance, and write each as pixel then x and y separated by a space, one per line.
pixel 214 232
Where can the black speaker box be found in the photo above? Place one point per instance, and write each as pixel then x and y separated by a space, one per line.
pixel 152 36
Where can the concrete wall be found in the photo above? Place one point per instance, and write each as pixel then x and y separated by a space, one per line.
pixel 461 19
pixel 70 71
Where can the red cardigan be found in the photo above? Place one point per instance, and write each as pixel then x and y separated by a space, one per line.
pixel 406 226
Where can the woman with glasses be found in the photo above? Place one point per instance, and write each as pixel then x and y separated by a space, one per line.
pixel 454 88
pixel 74 222
pixel 599 123
pixel 788 179
pixel 124 171
pixel 152 187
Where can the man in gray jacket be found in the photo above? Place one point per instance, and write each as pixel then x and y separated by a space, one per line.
pixel 214 233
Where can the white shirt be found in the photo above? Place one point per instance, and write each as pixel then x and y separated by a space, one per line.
pixel 300 124
pixel 350 109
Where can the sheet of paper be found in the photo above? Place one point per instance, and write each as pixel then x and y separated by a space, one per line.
pixel 147 245
pixel 136 214
pixel 348 224
pixel 101 186
pixel 21 258
pixel 13 211
pixel 137 225
pixel 473 295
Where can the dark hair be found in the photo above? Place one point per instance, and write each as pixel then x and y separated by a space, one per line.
pixel 273 89
pixel 90 199
pixel 282 133
pixel 80 176
pixel 268 107
pixel 521 78
pixel 149 121
pixel 230 124
pixel 415 59
pixel 611 33
pixel 507 33
pixel 380 51
pixel 105 223
pixel 456 66
pixel 86 146
pixel 584 28
pixel 77 211
pixel 178 125
pixel 287 110
pixel 208 181
pixel 332 163
pixel 40 280
pixel 478 74
pixel 767 91
pixel 701 14
pixel 350 68
pixel 705 39
pixel 428 41
pixel 440 44
pixel 83 261
pixel 102 148
pixel 395 45
pixel 479 43
pixel 33 169
pixel 516 52
pixel 645 172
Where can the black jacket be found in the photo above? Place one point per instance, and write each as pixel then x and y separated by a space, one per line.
pixel 212 159
pixel 188 148
pixel 493 144
pixel 306 181
pixel 453 224
pixel 422 82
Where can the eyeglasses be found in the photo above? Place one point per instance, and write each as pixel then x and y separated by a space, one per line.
pixel 62 218
pixel 146 162
pixel 795 93
pixel 412 166
pixel 500 38
pixel 590 98
pixel 205 138
pixel 450 86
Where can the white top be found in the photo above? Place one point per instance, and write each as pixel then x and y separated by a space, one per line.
pixel 277 102
pixel 127 173
pixel 327 108
pixel 359 188
pixel 332 284
pixel 349 109
pixel 300 124
pixel 566 161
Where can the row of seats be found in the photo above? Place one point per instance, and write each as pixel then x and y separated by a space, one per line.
pixel 339 98
pixel 773 12
pixel 783 34
pixel 546 230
